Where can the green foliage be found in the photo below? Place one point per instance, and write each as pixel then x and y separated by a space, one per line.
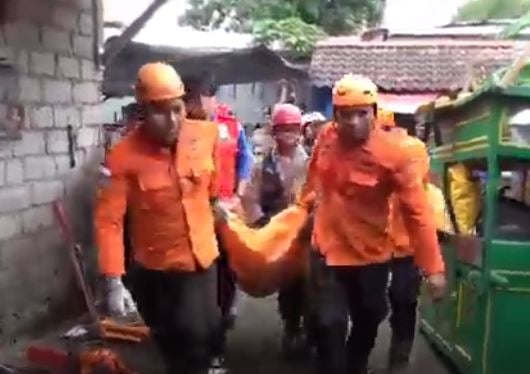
pixel 512 30
pixel 296 36
pixel 481 10
pixel 295 24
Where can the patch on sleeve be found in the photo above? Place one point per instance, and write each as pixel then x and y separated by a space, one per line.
pixel 104 176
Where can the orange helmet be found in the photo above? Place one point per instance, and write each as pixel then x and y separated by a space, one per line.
pixel 354 90
pixel 158 81
pixel 385 118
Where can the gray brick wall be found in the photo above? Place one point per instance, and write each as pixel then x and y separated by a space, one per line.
pixel 49 44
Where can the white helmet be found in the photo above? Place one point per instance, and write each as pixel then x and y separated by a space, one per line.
pixel 312 117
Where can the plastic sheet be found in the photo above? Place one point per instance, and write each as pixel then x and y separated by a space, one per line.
pixel 465 198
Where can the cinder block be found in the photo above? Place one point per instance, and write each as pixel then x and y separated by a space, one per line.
pixel 67 115
pixel 10 226
pixel 37 12
pixel 83 46
pixel 57 91
pixel 46 191
pixel 19 59
pixel 22 61
pixel 6 149
pixel 65 17
pixel 86 24
pixel 37 218
pixel 32 143
pixel 86 93
pixel 92 115
pixel 41 117
pixel 68 67
pixel 42 63
pixel 14 172
pixel 39 167
pixel 62 163
pixel 56 40
pixel 89 72
pixel 83 4
pixel 88 137
pixel 29 89
pixel 13 199
pixel 2 173
pixel 22 34
pixel 57 142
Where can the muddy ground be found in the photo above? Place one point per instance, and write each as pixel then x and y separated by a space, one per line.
pixel 253 347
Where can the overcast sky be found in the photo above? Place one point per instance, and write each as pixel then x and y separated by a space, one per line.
pixel 399 13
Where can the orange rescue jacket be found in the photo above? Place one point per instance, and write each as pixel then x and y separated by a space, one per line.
pixel 353 187
pixel 398 230
pixel 168 197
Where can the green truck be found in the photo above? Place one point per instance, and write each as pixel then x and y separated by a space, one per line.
pixel 483 323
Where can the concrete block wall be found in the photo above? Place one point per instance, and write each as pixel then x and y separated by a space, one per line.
pixel 49 44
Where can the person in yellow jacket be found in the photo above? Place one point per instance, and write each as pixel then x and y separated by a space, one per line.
pixel 163 173
pixel 354 170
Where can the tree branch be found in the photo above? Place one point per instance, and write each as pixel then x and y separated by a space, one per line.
pixel 133 29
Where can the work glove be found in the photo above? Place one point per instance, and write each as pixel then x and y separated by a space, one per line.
pixel 119 300
pixel 437 284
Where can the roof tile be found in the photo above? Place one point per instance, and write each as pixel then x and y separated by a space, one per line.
pixel 408 66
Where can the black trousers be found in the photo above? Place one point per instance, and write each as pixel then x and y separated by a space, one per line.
pixel 403 295
pixel 181 310
pixel 291 304
pixel 338 293
pixel 227 289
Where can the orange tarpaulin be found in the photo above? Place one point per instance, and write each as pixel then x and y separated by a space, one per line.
pixel 264 259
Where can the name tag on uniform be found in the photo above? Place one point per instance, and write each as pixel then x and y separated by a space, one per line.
pixel 104 176
pixel 223 132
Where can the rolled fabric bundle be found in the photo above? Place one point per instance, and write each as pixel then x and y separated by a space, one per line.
pixel 266 258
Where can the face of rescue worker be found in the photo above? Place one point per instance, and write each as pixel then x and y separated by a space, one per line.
pixel 287 136
pixel 163 120
pixel 355 122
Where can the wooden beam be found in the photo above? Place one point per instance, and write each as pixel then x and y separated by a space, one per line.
pixel 129 33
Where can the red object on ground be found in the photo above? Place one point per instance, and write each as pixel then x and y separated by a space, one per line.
pixel 53 359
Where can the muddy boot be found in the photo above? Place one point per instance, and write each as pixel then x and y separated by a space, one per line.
pixel 399 356
pixel 289 344
pixel 218 366
pixel 292 341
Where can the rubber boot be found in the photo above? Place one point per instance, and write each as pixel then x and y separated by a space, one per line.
pixel 292 340
pixel 218 366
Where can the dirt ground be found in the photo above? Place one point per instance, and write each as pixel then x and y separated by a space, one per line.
pixel 253 347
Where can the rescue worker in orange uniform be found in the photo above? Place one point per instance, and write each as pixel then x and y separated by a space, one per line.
pixel 274 185
pixel 406 278
pixel 354 170
pixel 164 174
